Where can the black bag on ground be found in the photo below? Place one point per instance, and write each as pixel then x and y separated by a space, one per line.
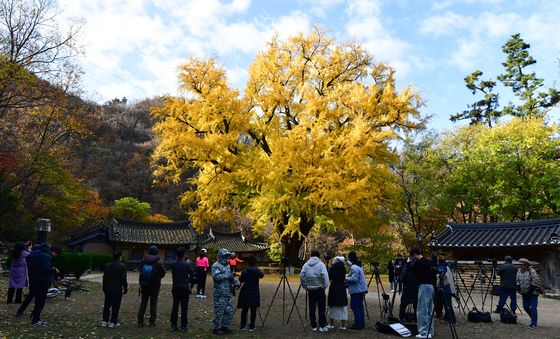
pixel 475 316
pixel 508 317
pixel 496 290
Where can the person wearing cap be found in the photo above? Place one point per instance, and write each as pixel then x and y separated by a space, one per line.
pixel 18 280
pixel 508 285
pixel 223 303
pixel 233 262
pixel 114 286
pixel 40 266
pixel 201 272
pixel 529 285
pixel 151 273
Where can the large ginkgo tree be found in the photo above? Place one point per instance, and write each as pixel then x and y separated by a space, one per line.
pixel 308 141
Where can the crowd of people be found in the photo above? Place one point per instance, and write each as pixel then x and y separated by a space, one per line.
pixel 426 285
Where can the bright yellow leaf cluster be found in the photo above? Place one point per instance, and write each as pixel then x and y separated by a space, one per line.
pixel 308 138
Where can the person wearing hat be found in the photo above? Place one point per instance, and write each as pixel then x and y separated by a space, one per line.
pixel 17 280
pixel 201 272
pixel 151 273
pixel 223 303
pixel 529 285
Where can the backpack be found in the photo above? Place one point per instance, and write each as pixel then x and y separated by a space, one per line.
pixel 508 317
pixel 475 316
pixel 146 274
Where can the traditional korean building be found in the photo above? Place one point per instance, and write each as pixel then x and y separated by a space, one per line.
pixel 134 238
pixel 536 240
pixel 233 241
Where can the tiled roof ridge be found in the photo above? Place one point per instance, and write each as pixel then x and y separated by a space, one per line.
pixel 226 234
pixel 525 223
pixel 86 230
pixel 123 221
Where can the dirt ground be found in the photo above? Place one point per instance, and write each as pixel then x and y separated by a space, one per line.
pixel 80 315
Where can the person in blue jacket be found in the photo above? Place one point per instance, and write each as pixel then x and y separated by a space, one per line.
pixel 357 287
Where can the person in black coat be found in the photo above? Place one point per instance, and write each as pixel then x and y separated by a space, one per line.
pixel 391 275
pixel 181 272
pixel 249 295
pixel 337 299
pixel 409 293
pixel 114 286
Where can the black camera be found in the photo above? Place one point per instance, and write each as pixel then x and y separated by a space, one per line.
pixel 285 261
pixel 493 261
pixel 478 262
pixel 328 256
pixel 374 263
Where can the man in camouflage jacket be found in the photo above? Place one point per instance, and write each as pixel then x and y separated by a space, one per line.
pixel 223 303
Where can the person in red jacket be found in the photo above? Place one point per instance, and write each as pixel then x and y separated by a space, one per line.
pixel 233 262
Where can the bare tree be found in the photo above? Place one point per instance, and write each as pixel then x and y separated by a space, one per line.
pixel 34 48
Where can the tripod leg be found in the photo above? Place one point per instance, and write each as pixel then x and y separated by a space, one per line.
pixel 365 306
pixel 273 298
pixel 260 316
pixel 448 312
pixel 295 305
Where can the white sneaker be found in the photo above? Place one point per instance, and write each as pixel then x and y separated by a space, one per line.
pixel 104 324
pixel 343 328
pixel 330 327
pixel 314 329
pixel 423 336
pixel 113 325
pixel 202 296
pixel 323 329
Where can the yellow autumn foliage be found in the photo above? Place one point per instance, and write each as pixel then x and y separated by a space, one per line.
pixel 309 137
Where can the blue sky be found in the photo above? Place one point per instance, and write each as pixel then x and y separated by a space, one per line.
pixel 133 47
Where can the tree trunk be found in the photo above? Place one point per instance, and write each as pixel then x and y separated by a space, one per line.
pixel 293 243
pixel 291 249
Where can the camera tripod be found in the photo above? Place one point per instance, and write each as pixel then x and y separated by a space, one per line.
pixel 284 282
pixel 486 282
pixel 456 277
pixel 448 309
pixel 385 308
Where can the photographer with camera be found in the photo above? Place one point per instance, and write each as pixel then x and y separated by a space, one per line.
pixel 410 291
pixel 357 287
pixel 423 270
pixel 446 289
pixel 508 285
pixel 529 285
pixel 223 303
pixel 249 296
pixel 315 279
pixel 399 266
